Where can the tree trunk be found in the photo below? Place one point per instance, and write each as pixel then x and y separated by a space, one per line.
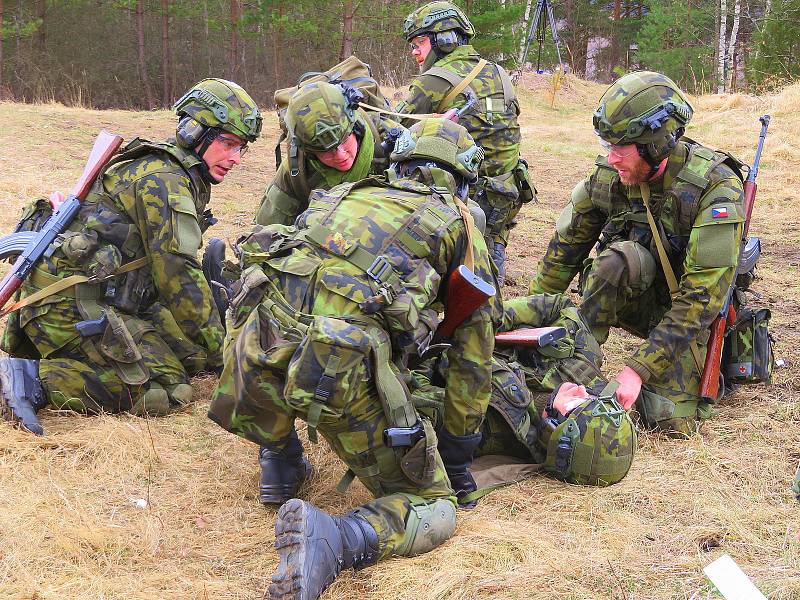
pixel 233 55
pixel 166 90
pixel 142 60
pixel 722 45
pixel 41 12
pixel 730 71
pixel 277 45
pixel 348 12
pixel 616 14
pixel 526 22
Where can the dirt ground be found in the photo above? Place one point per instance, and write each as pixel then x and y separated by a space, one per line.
pixel 116 507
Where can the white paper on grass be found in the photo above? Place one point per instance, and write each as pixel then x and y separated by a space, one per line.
pixel 731 581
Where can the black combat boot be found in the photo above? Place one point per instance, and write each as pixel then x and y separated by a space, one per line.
pixel 456 452
pixel 313 548
pixel 21 393
pixel 282 471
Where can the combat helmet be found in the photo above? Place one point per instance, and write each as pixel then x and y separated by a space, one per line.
pixel 442 142
pixel 214 105
pixel 593 445
pixel 444 21
pixel 321 115
pixel 643 108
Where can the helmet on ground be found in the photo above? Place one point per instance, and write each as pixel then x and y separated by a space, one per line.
pixel 643 108
pixel 443 142
pixel 593 445
pixel 321 115
pixel 216 104
pixel 437 18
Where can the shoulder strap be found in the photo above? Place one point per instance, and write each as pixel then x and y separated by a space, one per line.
pixel 509 95
pixel 462 84
pixel 669 274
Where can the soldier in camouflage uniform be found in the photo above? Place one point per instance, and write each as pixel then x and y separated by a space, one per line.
pixel 128 337
pixel 439 35
pixel 696 202
pixel 321 318
pixel 331 141
pixel 537 413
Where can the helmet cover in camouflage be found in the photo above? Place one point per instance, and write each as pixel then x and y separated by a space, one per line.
pixel 644 108
pixel 224 105
pixel 593 445
pixel 321 116
pixel 442 141
pixel 435 17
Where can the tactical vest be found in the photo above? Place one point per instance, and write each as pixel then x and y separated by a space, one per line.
pixel 686 178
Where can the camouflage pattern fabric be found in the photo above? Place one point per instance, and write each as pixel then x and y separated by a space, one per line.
pixel 286 196
pixel 308 275
pixel 161 320
pixel 624 285
pixel 492 123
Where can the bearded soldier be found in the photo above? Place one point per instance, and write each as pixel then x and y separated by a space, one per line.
pixel 321 317
pixel 331 141
pixel 653 188
pixel 129 336
pixel 450 71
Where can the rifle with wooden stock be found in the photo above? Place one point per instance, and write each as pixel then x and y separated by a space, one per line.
pixel 750 249
pixel 37 243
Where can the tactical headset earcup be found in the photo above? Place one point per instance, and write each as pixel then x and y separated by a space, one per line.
pixel 189 132
pixel 446 41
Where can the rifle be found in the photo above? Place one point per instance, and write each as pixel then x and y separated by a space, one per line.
pixel 38 243
pixel 709 379
pixel 466 293
pixel 530 337
pixel 454 114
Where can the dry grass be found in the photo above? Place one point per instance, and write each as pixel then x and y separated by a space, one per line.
pixel 69 526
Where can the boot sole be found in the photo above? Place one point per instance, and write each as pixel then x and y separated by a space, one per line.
pixel 290 542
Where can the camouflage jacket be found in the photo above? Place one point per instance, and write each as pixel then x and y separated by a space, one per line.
pixel 699 203
pixel 286 196
pixel 492 123
pixel 151 204
pixel 410 236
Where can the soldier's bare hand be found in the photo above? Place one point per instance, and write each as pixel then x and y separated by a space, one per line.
pixel 630 384
pixel 569 396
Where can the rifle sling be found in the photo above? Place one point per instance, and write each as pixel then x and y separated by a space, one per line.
pixel 669 274
pixel 464 83
pixel 68 282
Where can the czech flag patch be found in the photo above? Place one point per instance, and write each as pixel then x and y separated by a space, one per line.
pixel 719 213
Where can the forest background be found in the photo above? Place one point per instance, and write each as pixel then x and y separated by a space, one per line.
pixel 142 54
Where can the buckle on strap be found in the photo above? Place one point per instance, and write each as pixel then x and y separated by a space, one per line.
pixel 378 268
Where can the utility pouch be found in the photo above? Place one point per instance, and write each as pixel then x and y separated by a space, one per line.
pixel 749 350
pixel 326 369
pixel 527 191
pixel 419 463
pixel 119 346
pixel 34 215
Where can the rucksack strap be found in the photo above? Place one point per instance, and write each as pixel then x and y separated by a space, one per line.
pixel 461 86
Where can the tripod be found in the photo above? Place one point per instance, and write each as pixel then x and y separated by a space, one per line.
pixel 539 27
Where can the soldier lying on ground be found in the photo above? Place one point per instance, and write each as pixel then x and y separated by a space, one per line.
pixel 695 196
pixel 439 35
pixel 321 311
pixel 130 341
pixel 335 142
pixel 537 411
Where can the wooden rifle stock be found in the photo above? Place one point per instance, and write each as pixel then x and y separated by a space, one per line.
pixel 531 337
pixel 103 149
pixel 466 293
pixel 709 378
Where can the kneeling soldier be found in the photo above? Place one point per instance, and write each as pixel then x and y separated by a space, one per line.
pixel 321 317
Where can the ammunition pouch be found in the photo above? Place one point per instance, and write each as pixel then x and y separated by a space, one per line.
pixel 119 345
pixel 748 354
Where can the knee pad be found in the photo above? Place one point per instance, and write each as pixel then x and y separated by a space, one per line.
pixel 627 264
pixel 427 526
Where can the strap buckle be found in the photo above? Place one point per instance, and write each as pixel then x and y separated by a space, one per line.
pixel 378 268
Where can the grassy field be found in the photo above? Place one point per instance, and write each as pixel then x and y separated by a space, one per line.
pixel 117 507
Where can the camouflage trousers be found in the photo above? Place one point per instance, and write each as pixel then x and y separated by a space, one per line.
pixel 128 367
pixel 249 401
pixel 500 210
pixel 622 287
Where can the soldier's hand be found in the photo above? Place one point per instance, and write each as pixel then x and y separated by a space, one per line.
pixel 56 199
pixel 569 396
pixel 630 384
